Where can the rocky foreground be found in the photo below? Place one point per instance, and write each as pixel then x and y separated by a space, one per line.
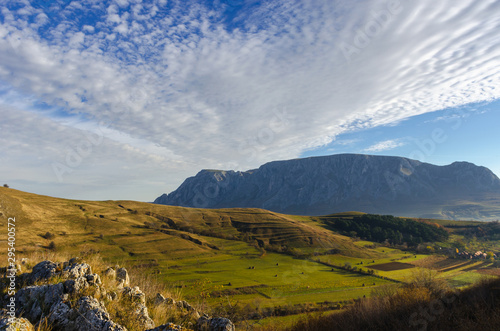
pixel 69 296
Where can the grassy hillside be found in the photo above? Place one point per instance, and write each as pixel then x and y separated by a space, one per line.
pixel 137 228
pixel 247 264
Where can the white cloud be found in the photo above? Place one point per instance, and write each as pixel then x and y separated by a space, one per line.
pixel 277 84
pixel 386 145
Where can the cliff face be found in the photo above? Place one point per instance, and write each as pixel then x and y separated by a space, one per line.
pixel 322 185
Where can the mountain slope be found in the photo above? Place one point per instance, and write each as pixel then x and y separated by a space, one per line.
pixel 148 232
pixel 337 183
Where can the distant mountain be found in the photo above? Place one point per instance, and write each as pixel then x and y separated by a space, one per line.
pixel 345 182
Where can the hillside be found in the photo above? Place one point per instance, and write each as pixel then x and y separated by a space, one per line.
pixel 248 265
pixel 339 183
pixel 144 231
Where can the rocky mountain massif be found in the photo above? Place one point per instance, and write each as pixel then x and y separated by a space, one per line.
pixel 347 182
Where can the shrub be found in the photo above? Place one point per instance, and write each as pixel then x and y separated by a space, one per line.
pixel 52 246
pixel 48 235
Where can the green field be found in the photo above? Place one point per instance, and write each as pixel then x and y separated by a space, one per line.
pixel 264 262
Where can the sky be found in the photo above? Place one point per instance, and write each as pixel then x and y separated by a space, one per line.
pixel 124 99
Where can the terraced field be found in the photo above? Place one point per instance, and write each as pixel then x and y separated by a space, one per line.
pixel 247 257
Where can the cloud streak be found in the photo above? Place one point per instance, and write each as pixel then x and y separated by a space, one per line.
pixel 187 84
pixel 382 146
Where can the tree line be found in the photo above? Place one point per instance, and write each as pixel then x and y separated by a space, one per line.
pixel 383 228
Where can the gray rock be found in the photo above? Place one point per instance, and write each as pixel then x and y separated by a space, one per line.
pixel 76 285
pixel 93 316
pixel 141 311
pixel 134 294
pixel 94 279
pixel 77 270
pixel 122 276
pixel 185 305
pixel 214 324
pixel 16 324
pixel 75 260
pixel 62 317
pixel 110 272
pixel 167 327
pixel 88 315
pixel 112 296
pixel 33 301
pixel 160 300
pixel 43 271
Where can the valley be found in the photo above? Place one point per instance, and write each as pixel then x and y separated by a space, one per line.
pixel 252 265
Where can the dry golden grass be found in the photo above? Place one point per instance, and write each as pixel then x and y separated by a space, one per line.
pixel 425 304
pixel 117 229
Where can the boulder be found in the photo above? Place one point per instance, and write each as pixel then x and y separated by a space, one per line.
pixel 184 305
pixel 75 260
pixel 62 317
pixel 77 270
pixel 122 277
pixel 206 323
pixel 110 272
pixel 35 301
pixel 76 285
pixel 88 315
pixel 141 311
pixel 93 316
pixel 111 296
pixel 160 299
pixel 15 324
pixel 43 271
pixel 167 327
pixel 94 279
pixel 134 294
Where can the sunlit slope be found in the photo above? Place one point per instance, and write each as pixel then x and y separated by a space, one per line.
pixel 144 231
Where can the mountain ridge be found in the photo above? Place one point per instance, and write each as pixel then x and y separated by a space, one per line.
pixel 343 182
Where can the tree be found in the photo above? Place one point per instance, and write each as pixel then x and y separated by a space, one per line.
pixel 5 185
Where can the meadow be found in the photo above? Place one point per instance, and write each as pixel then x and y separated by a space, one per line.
pixel 248 264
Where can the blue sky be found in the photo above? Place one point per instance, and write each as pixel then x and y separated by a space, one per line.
pixel 124 99
pixel 468 133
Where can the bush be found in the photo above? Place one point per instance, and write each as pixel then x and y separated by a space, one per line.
pixel 48 235
pixel 52 246
pixel 5 185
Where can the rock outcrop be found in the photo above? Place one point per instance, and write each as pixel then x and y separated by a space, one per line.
pixel 87 315
pixel 54 301
pixel 15 324
pixel 69 296
pixel 206 323
pixel 348 182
